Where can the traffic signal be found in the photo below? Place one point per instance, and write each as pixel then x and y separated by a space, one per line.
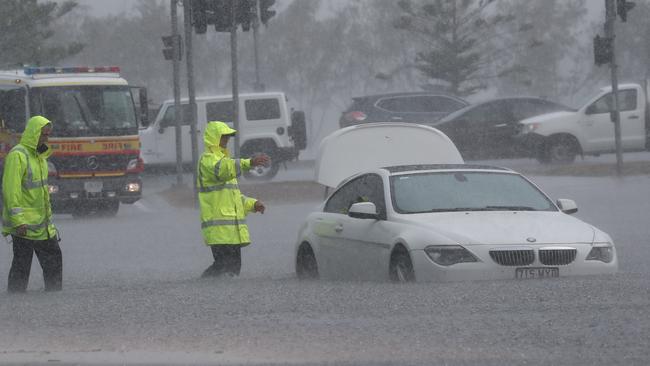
pixel 198 10
pixel 622 7
pixel 245 13
pixel 220 14
pixel 602 50
pixel 170 51
pixel 265 12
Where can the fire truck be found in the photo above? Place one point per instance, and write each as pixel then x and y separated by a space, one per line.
pixel 95 163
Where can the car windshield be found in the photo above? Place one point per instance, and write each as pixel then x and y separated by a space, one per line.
pixel 86 110
pixel 465 191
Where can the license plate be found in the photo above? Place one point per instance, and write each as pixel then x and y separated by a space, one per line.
pixel 537 272
pixel 93 186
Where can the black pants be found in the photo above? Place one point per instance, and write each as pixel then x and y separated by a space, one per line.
pixel 49 256
pixel 227 260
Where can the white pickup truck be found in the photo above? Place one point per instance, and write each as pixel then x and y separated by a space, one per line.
pixel 561 136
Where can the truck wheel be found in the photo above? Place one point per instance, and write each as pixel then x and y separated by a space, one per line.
pixel 561 150
pixel 261 173
pixel 108 208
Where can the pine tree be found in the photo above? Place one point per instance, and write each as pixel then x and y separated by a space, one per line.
pixel 26 29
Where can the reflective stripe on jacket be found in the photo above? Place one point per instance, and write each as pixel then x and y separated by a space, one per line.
pixel 223 206
pixel 26 200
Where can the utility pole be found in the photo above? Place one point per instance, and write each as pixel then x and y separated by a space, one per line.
pixel 259 87
pixel 177 95
pixel 187 14
pixel 235 86
pixel 610 20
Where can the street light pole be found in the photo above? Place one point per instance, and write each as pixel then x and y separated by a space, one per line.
pixel 610 20
pixel 235 81
pixel 256 25
pixel 177 93
pixel 190 85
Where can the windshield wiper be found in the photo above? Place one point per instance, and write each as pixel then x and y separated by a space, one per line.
pixel 509 208
pixel 82 112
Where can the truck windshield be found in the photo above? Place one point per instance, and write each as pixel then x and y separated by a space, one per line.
pixel 88 110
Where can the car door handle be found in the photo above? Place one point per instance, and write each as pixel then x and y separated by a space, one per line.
pixel 633 117
pixel 397 118
pixel 338 228
pixel 501 125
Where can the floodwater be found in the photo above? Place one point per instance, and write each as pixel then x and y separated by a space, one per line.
pixel 132 294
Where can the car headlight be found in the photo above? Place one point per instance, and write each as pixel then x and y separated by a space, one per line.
pixel 447 255
pixel 529 127
pixel 603 252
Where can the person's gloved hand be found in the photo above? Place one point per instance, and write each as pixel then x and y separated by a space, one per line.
pixel 260 160
pixel 21 230
pixel 259 207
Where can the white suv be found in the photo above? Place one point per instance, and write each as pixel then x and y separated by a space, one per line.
pixel 266 125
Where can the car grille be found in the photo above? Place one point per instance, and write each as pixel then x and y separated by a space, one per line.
pixel 557 257
pixel 98 163
pixel 517 257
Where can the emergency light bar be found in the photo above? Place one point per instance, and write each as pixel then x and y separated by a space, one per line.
pixel 70 70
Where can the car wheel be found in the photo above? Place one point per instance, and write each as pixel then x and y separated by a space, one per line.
pixel 401 267
pixel 306 265
pixel 561 150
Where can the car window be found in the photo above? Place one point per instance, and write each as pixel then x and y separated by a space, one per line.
pixel 261 109
pixel 341 200
pixel 12 109
pixel 420 104
pixel 219 111
pixel 465 191
pixel 168 118
pixel 367 188
pixel 626 99
pixel 533 107
pixel 482 114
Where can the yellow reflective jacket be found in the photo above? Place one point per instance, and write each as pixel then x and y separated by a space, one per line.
pixel 223 206
pixel 26 200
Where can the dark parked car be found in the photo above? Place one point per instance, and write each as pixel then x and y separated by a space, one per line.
pixel 488 129
pixel 418 107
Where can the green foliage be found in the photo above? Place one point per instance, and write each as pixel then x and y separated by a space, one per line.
pixel 457 37
pixel 26 32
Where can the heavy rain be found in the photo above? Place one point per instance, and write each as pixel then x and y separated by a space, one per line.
pixel 521 85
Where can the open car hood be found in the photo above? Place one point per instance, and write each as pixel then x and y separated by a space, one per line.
pixel 355 149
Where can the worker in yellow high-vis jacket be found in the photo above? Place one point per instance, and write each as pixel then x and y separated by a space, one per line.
pixel 223 207
pixel 26 212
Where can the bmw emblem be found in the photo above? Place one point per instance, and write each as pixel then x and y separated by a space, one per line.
pixel 92 163
pixel 531 239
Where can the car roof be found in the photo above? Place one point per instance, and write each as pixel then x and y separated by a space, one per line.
pixel 355 149
pixel 427 167
pixel 406 94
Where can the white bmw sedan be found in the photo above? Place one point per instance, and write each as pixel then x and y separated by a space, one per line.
pixel 445 223
pixel 417 212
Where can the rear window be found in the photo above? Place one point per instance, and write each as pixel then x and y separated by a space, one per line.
pixel 260 109
pixel 219 111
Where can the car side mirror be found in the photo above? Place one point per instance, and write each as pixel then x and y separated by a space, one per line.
pixel 161 128
pixel 363 210
pixel 567 206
